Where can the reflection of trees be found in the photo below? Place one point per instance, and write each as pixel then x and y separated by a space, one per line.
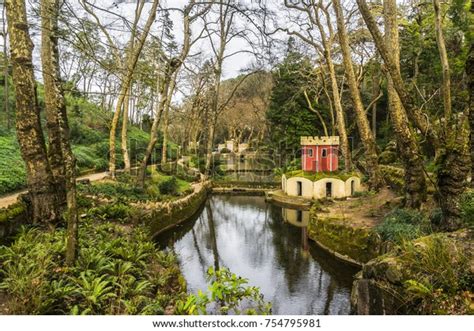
pixel 330 296
pixel 243 214
pixel 202 261
pixel 212 234
pixel 265 244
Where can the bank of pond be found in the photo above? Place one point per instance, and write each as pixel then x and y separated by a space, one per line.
pixel 143 256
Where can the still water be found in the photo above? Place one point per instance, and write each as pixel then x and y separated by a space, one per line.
pixel 268 245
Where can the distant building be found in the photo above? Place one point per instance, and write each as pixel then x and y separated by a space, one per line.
pixel 232 146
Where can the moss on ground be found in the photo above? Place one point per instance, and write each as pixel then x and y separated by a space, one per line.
pixel 12 212
pixel 315 176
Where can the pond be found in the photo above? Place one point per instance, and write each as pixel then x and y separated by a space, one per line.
pixel 266 244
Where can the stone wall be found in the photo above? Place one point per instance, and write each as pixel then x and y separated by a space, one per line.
pixel 162 216
pixel 11 218
pixel 357 245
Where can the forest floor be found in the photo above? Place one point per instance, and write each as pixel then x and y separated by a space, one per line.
pixel 10 199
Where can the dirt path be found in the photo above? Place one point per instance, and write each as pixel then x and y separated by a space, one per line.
pixel 10 199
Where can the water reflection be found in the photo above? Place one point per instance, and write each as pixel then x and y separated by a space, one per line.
pixel 268 246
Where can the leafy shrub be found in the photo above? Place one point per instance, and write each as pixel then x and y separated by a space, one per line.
pixel 115 190
pixel 229 293
pixel 168 186
pixel 403 224
pixel 115 211
pixel 116 272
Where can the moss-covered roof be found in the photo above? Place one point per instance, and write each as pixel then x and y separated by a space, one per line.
pixel 314 176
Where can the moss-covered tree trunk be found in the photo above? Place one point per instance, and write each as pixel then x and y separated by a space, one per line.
pixel 454 162
pixel 40 180
pixel 376 180
pixel 416 115
pixel 56 106
pixel 415 182
pixel 470 75
pixel 158 111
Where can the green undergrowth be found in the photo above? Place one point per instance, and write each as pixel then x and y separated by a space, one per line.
pixel 430 275
pixel 314 176
pixel 12 168
pixel 439 277
pixel 403 224
pixel 89 132
pixel 118 271
pixel 159 187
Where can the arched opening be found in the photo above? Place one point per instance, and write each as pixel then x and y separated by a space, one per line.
pixel 299 188
pixel 352 187
pixel 328 190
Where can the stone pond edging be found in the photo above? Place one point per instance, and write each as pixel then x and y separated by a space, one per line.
pixel 11 218
pixel 354 245
pixel 162 216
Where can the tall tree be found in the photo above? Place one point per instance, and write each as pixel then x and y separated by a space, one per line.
pixel 166 79
pixel 415 182
pixel 6 105
pixel 56 110
pixel 40 179
pixel 376 180
pixel 451 142
pixel 132 53
pixel 313 11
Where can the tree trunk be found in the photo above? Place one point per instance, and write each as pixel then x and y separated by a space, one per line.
pixel 55 103
pixel 375 93
pixel 55 150
pixel 443 54
pixel 126 157
pixel 162 91
pixel 454 161
pixel 341 124
pixel 376 180
pixel 126 79
pixel 415 182
pixel 5 69
pixel 470 83
pixel 415 114
pixel 40 180
pixel 164 148
pixel 454 165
